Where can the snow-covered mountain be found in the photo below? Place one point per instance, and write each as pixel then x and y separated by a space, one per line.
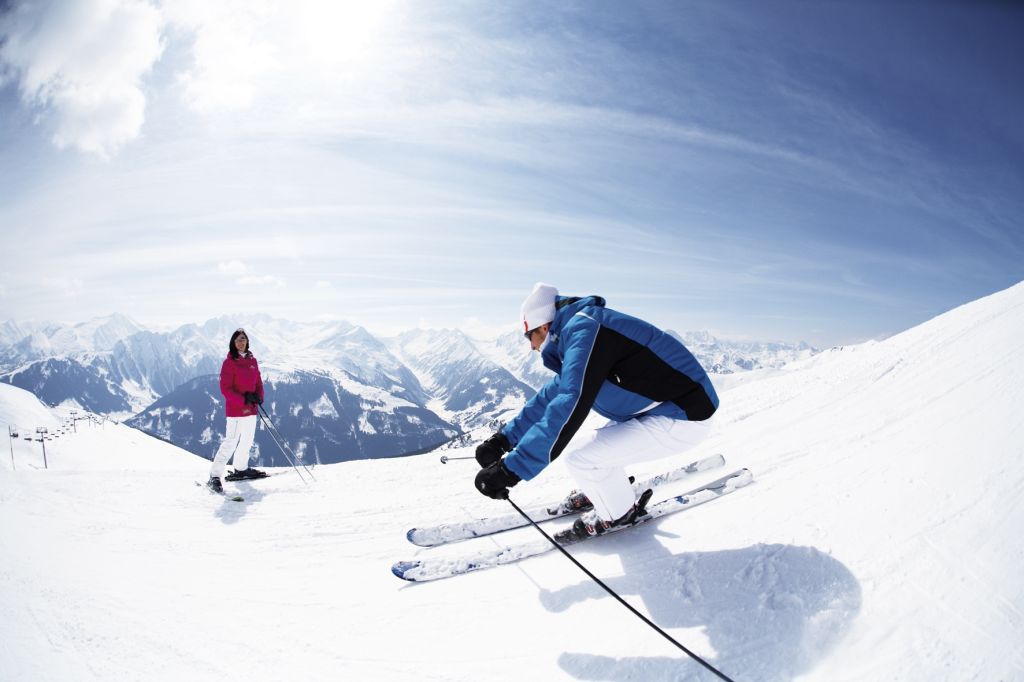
pixel 87 383
pixel 512 351
pixel 156 378
pixel 322 417
pixel 334 391
pixel 720 356
pixel 879 541
pixel 22 342
pixel 467 388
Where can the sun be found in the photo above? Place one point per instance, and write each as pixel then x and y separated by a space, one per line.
pixel 338 32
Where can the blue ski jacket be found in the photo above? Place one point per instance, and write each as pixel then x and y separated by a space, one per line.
pixel 617 365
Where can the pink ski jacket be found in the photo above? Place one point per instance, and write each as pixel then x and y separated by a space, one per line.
pixel 238 377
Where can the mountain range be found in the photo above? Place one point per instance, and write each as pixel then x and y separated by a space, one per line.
pixel 335 391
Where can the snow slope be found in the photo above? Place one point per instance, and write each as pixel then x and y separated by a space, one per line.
pixel 880 541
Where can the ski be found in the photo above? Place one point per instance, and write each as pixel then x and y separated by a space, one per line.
pixel 233 498
pixel 433 536
pixel 436 568
pixel 229 477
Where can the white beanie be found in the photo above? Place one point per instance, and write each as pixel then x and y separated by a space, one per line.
pixel 539 306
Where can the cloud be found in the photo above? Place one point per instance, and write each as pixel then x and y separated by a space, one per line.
pixel 229 59
pixel 242 51
pixel 82 64
pixel 83 61
pixel 69 286
pixel 269 281
pixel 233 267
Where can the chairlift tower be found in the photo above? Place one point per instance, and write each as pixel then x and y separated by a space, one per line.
pixel 41 431
pixel 12 433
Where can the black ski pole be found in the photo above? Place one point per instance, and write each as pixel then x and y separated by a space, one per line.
pixel 279 439
pixel 446 458
pixel 283 446
pixel 622 601
pixel 287 457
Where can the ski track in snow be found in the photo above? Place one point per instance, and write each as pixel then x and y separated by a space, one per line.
pixel 879 541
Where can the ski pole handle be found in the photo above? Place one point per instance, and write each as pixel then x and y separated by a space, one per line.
pixel 445 458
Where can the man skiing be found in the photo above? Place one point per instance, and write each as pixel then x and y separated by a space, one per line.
pixel 657 398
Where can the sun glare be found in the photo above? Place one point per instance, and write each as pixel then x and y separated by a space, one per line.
pixel 339 32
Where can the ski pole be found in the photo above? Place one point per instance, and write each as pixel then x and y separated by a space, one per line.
pixel 622 601
pixel 280 440
pixel 275 433
pixel 445 458
pixel 286 451
pixel 287 457
pixel 283 446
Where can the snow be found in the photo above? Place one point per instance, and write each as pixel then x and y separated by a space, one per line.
pixel 22 409
pixel 879 540
pixel 323 407
pixel 364 424
pixel 371 397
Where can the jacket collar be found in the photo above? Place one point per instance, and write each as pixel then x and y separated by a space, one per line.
pixel 567 306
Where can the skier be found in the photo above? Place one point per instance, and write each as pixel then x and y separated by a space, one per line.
pixel 242 386
pixel 656 396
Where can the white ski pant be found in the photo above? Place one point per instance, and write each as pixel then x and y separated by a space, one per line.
pixel 597 462
pixel 237 441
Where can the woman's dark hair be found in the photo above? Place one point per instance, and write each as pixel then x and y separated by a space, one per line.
pixel 231 343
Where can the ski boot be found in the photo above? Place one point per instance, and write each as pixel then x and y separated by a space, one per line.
pixel 590 524
pixel 578 500
pixel 215 486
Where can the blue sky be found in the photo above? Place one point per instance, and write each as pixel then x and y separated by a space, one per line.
pixel 828 172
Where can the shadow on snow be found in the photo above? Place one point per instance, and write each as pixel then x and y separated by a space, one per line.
pixel 767 612
pixel 230 511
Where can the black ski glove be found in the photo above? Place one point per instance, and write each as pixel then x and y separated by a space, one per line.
pixel 495 480
pixel 253 398
pixel 491 450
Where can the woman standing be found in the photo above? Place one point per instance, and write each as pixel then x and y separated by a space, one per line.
pixel 242 386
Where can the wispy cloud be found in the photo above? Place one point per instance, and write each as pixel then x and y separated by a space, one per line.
pixel 233 267
pixel 65 286
pixel 269 281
